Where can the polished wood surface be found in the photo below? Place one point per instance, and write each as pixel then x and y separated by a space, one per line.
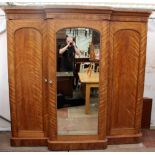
pixel 29 141
pixel 54 26
pixel 90 82
pixel 87 95
pixel 28 69
pixel 32 74
pixel 146 113
pixel 26 78
pixel 86 78
pixel 75 145
pixel 125 139
pixel 128 59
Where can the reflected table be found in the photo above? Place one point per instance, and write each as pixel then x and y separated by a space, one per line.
pixel 90 82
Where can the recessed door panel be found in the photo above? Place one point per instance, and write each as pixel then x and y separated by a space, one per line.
pixel 125 63
pixel 28 76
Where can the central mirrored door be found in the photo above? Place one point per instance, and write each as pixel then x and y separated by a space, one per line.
pixel 78 56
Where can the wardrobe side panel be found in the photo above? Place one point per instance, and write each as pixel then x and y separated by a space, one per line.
pixel 127 62
pixel 26 78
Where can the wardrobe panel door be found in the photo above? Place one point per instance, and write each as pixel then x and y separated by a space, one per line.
pixel 126 45
pixel 26 69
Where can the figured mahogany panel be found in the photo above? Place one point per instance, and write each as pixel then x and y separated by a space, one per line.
pixel 127 49
pixel 125 72
pixel 28 77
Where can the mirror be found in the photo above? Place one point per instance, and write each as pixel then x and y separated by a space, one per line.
pixel 78 52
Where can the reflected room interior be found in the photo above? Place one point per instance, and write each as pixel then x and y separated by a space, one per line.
pixel 78 52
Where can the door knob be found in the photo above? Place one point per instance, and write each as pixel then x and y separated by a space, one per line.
pixel 45 80
pixel 50 81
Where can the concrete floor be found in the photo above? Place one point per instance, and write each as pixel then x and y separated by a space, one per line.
pixel 148 145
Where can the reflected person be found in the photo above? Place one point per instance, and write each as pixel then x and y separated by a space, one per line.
pixel 68 54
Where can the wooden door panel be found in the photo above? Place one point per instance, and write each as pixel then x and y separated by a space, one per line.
pixel 103 28
pixel 125 45
pixel 125 73
pixel 26 71
pixel 28 68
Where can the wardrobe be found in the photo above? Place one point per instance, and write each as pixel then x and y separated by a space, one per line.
pixel 31 34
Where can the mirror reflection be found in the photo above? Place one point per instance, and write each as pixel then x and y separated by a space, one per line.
pixel 78 53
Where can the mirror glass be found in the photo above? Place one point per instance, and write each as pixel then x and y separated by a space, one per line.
pixel 78 54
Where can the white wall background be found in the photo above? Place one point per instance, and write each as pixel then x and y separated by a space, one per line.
pixel 4 93
pixel 149 90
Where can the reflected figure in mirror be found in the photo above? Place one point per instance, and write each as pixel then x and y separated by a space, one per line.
pixel 68 54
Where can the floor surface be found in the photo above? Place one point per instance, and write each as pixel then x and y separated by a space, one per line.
pixel 74 121
pixel 148 145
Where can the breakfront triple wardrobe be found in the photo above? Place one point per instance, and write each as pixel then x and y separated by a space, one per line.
pixel 32 74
